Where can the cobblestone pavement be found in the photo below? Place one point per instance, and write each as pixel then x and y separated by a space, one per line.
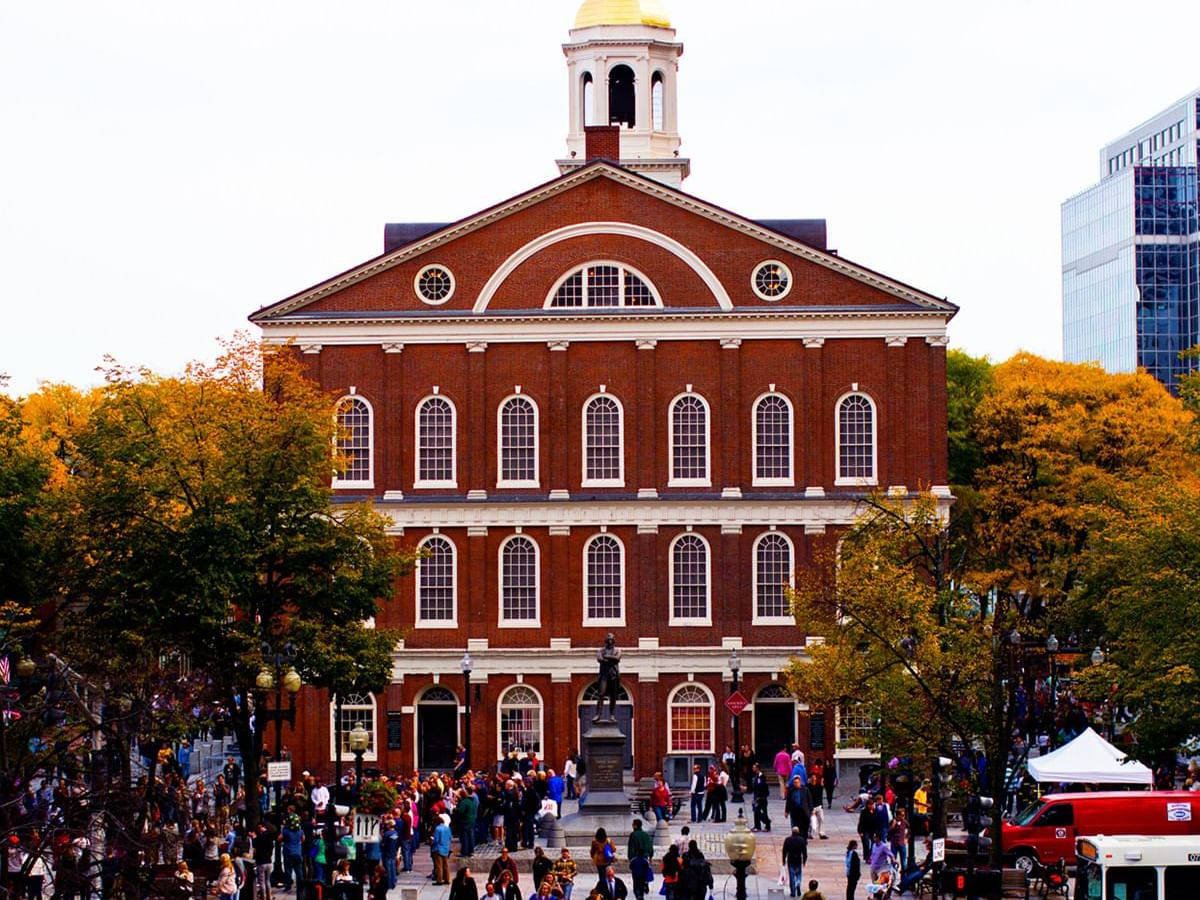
pixel 825 858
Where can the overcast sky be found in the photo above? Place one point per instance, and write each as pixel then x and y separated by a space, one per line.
pixel 169 167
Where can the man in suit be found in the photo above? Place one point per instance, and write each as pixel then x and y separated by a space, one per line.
pixel 610 887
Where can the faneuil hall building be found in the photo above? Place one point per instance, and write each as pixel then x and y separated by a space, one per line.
pixel 606 405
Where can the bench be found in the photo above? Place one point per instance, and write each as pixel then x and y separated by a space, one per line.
pixel 1015 884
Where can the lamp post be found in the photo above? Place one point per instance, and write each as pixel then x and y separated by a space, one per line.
pixel 735 666
pixel 1098 659
pixel 359 739
pixel 1051 650
pixel 467 665
pixel 272 675
pixel 739 847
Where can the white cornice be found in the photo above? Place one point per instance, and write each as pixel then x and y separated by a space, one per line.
pixel 574 179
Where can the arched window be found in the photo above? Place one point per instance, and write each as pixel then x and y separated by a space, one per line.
pixel 602 284
pixel 690 720
pixel 356 709
pixel 520 720
pixel 656 100
pixel 437 584
pixel 773 572
pixel 519 582
pixel 587 111
pixel 773 440
pixel 855 440
pixel 354 443
pixel 603 442
pixel 689 441
pixel 517 443
pixel 435 443
pixel 603 581
pixel 622 102
pixel 690 584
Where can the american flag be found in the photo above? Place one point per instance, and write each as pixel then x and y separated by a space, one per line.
pixel 5 674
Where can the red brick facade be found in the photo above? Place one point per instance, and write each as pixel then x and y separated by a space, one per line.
pixel 841 329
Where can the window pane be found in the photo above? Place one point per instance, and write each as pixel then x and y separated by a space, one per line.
pixel 603 286
pixel 518 580
pixel 690 578
pixel 354 440
pixel 689 439
pixel 435 581
pixel 435 441
pixel 603 588
pixel 691 719
pixel 520 720
pixel 856 430
pixel 570 292
pixel 772 571
pixel 602 423
pixel 773 439
pixel 637 292
pixel 816 731
pixel 518 440
pixel 357 709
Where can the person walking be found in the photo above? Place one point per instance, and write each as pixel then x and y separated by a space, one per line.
pixel 783 769
pixel 793 856
pixel 853 869
pixel 439 849
pixel 463 887
pixel 796 806
pixel 761 790
pixel 565 870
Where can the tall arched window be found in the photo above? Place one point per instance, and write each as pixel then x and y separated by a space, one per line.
pixel 520 720
pixel 689 441
pixel 437 584
pixel 435 434
pixel 603 581
pixel 656 100
pixel 354 443
pixel 587 111
pixel 622 98
pixel 517 443
pixel 519 582
pixel 773 572
pixel 603 442
pixel 690 584
pixel 690 720
pixel 356 709
pixel 773 440
pixel 856 448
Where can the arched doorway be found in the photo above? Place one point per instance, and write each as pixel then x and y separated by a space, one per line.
pixel 587 712
pixel 622 99
pixel 774 723
pixel 437 728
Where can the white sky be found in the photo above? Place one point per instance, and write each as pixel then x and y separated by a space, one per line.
pixel 168 167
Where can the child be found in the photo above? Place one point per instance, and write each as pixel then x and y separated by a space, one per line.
pixel 853 869
pixel 812 893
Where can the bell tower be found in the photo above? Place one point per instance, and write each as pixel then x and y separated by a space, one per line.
pixel 622 70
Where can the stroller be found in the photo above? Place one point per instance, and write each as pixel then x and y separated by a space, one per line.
pixel 885 884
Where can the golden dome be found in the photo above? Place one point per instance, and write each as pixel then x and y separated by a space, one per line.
pixel 622 12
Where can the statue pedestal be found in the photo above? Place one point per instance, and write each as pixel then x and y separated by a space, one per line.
pixel 606 804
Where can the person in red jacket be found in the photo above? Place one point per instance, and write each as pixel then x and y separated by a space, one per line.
pixel 660 799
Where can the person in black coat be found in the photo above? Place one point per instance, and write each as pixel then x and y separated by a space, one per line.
pixel 463 886
pixel 761 788
pixel 610 887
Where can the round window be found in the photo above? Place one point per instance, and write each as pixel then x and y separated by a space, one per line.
pixel 771 280
pixel 434 284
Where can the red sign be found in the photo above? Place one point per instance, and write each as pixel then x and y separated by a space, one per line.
pixel 735 703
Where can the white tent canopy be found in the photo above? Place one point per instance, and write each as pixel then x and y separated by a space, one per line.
pixel 1089 759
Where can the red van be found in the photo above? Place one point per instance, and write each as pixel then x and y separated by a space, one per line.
pixel 1046 830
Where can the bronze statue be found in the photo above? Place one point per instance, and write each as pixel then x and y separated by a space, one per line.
pixel 609 682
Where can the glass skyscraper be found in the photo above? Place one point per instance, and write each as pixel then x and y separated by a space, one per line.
pixel 1131 251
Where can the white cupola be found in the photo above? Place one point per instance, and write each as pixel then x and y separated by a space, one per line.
pixel 622 70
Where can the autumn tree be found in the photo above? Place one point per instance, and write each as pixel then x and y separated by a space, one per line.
pixel 207 531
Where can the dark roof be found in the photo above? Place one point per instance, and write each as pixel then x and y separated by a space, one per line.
pixel 807 231
pixel 397 234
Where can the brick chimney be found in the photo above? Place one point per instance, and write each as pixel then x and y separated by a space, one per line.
pixel 602 142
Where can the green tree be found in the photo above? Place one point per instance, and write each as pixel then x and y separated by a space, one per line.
pixel 968 381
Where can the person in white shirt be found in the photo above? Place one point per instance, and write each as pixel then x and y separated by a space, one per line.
pixel 797 755
pixel 569 769
pixel 320 796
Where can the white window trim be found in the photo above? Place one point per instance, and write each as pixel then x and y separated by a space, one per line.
pixel 603 482
pixel 672 481
pixel 754 280
pixel 756 619
pixel 689 621
pixel 712 717
pixel 417 284
pixel 837 441
pixel 537 445
pixel 790 480
pixel 371 755
pixel 622 268
pixel 418 481
pixel 452 622
pixel 618 622
pixel 370 480
pixel 536 621
pixel 500 750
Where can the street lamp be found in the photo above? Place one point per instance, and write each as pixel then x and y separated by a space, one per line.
pixel 359 739
pixel 1051 649
pixel 735 666
pixel 467 665
pixel 1097 656
pixel 739 847
pixel 272 675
